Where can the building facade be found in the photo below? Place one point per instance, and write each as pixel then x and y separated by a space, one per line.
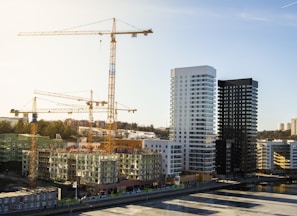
pixel 281 127
pixel 277 156
pixel 237 127
pixel 96 170
pixel 13 203
pixel 171 156
pixel 192 107
pixel 293 126
pixel 12 145
pixel 143 165
pixel 84 167
pixel 288 126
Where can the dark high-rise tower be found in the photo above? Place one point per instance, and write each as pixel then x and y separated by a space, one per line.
pixel 237 127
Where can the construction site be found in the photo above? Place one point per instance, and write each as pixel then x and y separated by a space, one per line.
pixel 105 167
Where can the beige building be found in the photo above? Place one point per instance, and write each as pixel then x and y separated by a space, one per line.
pixel 142 165
pixel 96 170
pixel 293 126
pixel 82 166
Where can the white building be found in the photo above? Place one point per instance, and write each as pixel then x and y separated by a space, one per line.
pixel 12 120
pixel 129 134
pixel 265 154
pixel 276 156
pixel 288 126
pixel 192 116
pixel 284 126
pixel 171 155
pixel 281 127
pixel 141 135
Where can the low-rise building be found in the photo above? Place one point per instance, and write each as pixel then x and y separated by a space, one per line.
pixel 28 199
pixel 12 145
pixel 277 156
pixel 97 170
pixel 141 135
pixel 141 165
pixel 171 156
pixel 82 166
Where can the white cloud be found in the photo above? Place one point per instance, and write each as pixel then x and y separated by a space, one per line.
pixel 254 17
pixel 289 4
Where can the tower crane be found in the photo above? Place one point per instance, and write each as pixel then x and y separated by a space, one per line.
pixel 34 124
pixel 33 147
pixel 69 110
pixel 89 102
pixel 112 64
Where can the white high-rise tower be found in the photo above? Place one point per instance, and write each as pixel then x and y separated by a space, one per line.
pixel 192 116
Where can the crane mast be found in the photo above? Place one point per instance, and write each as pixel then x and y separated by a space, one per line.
pixel 110 122
pixel 111 87
pixel 91 118
pixel 33 147
pixel 32 177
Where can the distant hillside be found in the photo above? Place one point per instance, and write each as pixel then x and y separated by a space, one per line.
pixel 271 135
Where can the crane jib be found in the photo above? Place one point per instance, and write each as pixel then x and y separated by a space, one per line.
pixel 53 33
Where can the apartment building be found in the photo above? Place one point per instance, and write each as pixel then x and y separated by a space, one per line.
pixel 96 169
pixel 237 127
pixel 277 156
pixel 171 153
pixel 13 203
pixel 82 166
pixel 143 165
pixel 192 107
pixel 12 145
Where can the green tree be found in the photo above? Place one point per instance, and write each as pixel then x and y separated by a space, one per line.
pixel 69 132
pixel 5 127
pixel 42 125
pixel 54 127
pixel 134 126
pixel 271 135
pixel 21 127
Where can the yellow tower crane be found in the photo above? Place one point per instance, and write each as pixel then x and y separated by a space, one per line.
pixel 33 147
pixel 34 126
pixel 110 123
pixel 89 102
pixel 34 123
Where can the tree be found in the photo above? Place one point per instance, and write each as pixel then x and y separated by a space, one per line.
pixel 21 127
pixel 134 126
pixel 5 127
pixel 69 132
pixel 55 127
pixel 271 135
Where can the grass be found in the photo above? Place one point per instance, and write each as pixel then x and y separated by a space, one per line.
pixel 68 201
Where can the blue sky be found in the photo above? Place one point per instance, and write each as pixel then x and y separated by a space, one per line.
pixel 241 39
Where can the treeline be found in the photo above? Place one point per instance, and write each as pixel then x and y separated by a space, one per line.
pixel 271 135
pixel 45 128
pixel 51 128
